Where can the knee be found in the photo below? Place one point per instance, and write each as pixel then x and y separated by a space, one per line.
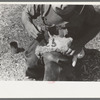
pixel 49 57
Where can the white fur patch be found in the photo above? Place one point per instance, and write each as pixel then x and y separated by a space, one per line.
pixel 56 43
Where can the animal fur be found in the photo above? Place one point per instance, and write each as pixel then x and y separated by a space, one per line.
pixel 58 44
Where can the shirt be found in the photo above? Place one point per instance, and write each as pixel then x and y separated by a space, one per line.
pixel 80 21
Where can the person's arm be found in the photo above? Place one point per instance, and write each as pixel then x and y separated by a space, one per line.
pixel 30 13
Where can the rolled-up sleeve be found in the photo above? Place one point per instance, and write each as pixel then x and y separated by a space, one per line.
pixel 33 10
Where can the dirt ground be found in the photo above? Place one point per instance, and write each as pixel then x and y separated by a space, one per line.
pixel 13 67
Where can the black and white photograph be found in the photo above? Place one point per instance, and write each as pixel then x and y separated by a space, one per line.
pixel 49 42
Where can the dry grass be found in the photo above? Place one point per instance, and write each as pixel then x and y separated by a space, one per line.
pixel 12 67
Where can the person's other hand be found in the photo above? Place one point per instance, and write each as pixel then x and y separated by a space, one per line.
pixel 74 49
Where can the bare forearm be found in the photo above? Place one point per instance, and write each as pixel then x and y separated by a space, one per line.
pixel 26 19
pixel 29 25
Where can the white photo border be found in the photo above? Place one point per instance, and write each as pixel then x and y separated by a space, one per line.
pixel 36 89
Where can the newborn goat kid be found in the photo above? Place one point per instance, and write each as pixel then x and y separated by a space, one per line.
pixel 58 44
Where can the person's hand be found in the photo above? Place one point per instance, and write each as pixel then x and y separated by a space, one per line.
pixel 74 49
pixel 32 31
